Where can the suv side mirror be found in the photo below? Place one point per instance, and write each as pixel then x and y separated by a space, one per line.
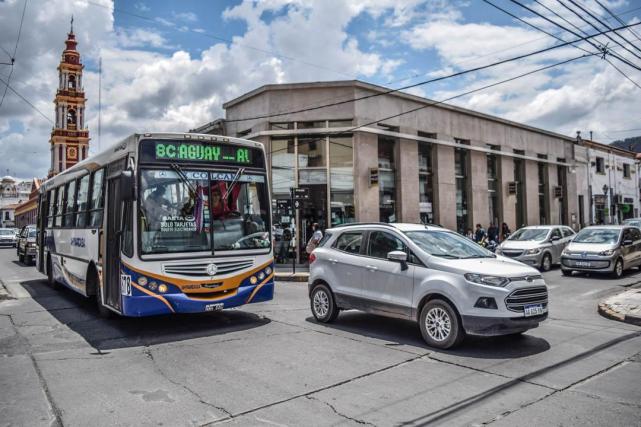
pixel 127 184
pixel 554 238
pixel 627 242
pixel 398 256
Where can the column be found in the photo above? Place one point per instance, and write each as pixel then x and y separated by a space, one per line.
pixel 554 202
pixel 478 197
pixel 366 198
pixel 572 198
pixel 445 188
pixel 532 192
pixel 508 201
pixel 407 188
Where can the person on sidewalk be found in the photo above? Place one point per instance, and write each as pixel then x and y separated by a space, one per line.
pixel 480 234
pixel 315 239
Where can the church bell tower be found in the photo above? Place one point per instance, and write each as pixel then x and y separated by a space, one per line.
pixel 70 136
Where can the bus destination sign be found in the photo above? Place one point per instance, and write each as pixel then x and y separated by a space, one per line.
pixel 196 151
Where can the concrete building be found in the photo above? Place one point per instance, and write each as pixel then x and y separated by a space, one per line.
pixel 366 161
pixel 612 178
pixel 12 192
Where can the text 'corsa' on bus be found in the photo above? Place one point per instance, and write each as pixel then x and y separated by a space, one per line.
pixel 161 223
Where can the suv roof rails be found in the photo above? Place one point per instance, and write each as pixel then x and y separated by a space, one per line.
pixel 348 224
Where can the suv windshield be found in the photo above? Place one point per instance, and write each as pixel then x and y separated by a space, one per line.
pixel 597 235
pixel 186 212
pixel 446 244
pixel 31 232
pixel 530 234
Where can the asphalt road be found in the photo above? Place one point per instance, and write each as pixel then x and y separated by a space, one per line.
pixel 271 364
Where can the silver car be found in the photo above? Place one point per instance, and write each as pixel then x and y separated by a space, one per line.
pixel 539 246
pixel 603 249
pixel 7 237
pixel 448 284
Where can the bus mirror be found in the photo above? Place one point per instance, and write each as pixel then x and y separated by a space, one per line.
pixel 127 185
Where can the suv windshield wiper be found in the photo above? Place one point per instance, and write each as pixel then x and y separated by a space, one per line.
pixel 479 256
pixel 448 256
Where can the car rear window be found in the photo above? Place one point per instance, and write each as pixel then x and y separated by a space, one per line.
pixel 325 238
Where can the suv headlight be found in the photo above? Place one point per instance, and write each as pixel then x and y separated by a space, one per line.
pixel 483 279
pixel 607 253
pixel 532 251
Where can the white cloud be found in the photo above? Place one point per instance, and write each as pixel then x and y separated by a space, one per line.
pixel 186 16
pixel 141 37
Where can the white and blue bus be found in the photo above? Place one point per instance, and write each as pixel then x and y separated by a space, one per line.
pixel 161 223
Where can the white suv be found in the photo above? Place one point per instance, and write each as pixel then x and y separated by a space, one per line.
pixel 448 284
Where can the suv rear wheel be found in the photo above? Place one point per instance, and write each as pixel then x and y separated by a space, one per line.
pixel 322 304
pixel 440 325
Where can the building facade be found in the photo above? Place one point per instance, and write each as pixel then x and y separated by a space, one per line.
pixel 613 183
pixel 70 136
pixel 26 212
pixel 12 192
pixel 367 160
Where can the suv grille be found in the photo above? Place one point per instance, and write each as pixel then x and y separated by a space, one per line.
pixel 200 269
pixel 512 253
pixel 522 297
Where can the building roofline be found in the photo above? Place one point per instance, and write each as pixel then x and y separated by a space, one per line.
pixel 610 148
pixel 381 89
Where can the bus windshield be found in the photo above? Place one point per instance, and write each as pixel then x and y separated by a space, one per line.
pixel 191 211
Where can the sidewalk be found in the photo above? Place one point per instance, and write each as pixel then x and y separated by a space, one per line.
pixel 284 273
pixel 624 307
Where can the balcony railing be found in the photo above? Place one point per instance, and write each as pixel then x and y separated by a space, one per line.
pixel 72 92
pixel 65 132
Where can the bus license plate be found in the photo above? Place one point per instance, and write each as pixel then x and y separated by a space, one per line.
pixel 533 309
pixel 214 307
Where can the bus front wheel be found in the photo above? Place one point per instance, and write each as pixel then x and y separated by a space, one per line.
pixel 50 279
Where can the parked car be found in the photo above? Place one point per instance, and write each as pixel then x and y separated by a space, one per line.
pixel 603 249
pixel 539 246
pixel 26 246
pixel 448 284
pixel 635 222
pixel 7 237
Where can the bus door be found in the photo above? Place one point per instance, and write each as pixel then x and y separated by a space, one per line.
pixel 41 226
pixel 111 262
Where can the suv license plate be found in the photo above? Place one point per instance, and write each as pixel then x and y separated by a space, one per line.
pixel 214 307
pixel 583 264
pixel 533 309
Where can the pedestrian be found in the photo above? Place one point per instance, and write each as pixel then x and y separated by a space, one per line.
pixel 480 234
pixel 505 231
pixel 493 233
pixel 285 242
pixel 469 234
pixel 315 239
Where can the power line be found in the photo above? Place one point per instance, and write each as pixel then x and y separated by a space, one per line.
pixel 618 19
pixel 13 57
pixel 558 38
pixel 459 73
pixel 433 103
pixel 26 100
pixel 219 38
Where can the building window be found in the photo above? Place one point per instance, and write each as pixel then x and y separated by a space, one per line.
pixel 626 170
pixel 71 118
pixel 283 164
pixel 460 172
pixel 387 179
pixel 519 180
pixel 426 182
pixel 311 125
pixel 311 152
pixel 492 186
pixel 72 82
pixel 339 123
pixel 341 163
pixel 563 183
pixel 282 126
pixel 600 165
pixel 543 193
pixel 430 135
pixel 60 159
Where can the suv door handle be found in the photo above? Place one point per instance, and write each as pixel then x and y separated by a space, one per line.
pixel 371 267
pixel 332 260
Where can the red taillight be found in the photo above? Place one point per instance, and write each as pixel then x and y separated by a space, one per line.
pixel 312 257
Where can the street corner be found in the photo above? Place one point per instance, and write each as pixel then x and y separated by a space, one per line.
pixel 624 307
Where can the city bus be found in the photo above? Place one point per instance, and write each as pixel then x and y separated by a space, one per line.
pixel 161 223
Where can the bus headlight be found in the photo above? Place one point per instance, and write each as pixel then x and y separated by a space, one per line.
pixel 261 275
pixel 268 271
pixel 142 281
pixel 253 280
pixel 153 286
pixel 162 288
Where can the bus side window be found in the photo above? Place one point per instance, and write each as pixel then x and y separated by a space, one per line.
pixel 51 211
pixel 83 195
pixel 60 193
pixel 70 201
pixel 97 202
pixel 128 235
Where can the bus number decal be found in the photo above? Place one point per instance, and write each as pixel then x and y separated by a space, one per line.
pixel 125 284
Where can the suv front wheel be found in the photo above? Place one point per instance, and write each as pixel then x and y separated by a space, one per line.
pixel 440 325
pixel 322 304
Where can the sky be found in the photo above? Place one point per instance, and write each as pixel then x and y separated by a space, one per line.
pixel 169 66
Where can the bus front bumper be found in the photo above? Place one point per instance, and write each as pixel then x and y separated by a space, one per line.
pixel 141 304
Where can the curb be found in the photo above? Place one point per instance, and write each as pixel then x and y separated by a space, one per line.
pixel 606 311
pixel 4 292
pixel 291 277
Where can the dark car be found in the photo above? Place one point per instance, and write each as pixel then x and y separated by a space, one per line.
pixel 27 244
